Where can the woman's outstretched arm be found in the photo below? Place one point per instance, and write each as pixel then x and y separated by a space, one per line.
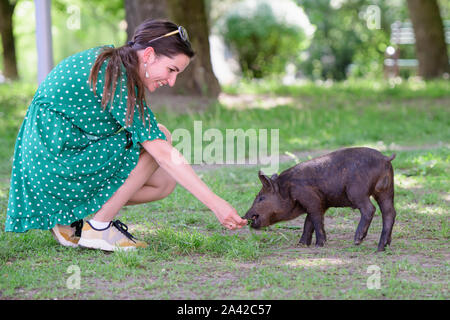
pixel 171 160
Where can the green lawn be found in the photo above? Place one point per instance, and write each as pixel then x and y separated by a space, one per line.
pixel 190 256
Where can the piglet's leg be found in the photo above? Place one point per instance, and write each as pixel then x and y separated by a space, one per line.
pixel 367 210
pixel 388 214
pixel 317 221
pixel 312 203
pixel 308 229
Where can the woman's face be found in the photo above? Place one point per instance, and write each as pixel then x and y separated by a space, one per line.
pixel 161 69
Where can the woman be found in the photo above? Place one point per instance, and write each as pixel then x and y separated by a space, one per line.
pixel 89 144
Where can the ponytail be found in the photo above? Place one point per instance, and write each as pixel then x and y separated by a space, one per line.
pixel 117 56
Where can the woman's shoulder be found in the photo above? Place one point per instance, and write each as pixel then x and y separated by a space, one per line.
pixel 96 50
pixel 85 56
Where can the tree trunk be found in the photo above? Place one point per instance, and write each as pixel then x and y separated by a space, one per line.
pixel 198 79
pixel 136 11
pixel 6 32
pixel 431 49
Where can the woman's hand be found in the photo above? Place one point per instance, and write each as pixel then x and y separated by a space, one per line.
pixel 173 162
pixel 228 216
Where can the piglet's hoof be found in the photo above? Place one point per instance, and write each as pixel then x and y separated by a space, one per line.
pixel 320 244
pixel 303 244
pixel 358 239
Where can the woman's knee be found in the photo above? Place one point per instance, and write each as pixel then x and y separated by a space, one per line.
pixel 168 188
pixel 162 191
pixel 146 165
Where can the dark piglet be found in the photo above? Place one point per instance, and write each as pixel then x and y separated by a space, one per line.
pixel 344 178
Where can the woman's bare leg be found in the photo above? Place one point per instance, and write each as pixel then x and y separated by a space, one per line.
pixel 147 182
pixel 144 169
pixel 159 185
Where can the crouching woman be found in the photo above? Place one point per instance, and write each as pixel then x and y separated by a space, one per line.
pixel 90 144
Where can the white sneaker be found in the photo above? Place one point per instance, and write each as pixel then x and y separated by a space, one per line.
pixel 68 236
pixel 114 237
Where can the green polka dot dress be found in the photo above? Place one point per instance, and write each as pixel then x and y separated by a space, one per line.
pixel 70 154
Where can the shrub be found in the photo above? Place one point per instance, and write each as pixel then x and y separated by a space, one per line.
pixel 263 39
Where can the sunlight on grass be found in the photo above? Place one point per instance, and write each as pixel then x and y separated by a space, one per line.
pixel 249 101
pixel 309 263
pixel 302 142
pixel 416 83
pixel 146 228
pixel 411 207
pixel 382 146
pixel 394 88
pixel 432 211
pixel 407 182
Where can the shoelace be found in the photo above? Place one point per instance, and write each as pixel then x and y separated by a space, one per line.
pixel 78 225
pixel 122 227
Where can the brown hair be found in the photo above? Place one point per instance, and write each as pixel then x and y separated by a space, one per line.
pixel 126 55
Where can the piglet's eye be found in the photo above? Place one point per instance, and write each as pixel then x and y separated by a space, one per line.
pixel 260 199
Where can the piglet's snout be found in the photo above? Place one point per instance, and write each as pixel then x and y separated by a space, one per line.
pixel 251 217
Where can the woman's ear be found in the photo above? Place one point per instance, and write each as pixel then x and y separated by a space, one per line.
pixel 149 55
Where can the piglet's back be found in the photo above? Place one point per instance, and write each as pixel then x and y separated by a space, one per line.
pixel 339 165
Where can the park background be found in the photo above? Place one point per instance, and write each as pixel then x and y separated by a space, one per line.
pixel 321 72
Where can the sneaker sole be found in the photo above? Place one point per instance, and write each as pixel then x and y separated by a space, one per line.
pixel 58 237
pixel 102 245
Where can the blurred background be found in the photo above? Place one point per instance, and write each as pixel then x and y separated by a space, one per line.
pixel 285 41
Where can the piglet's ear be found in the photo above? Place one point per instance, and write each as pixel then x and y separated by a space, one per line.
pixel 274 183
pixel 264 180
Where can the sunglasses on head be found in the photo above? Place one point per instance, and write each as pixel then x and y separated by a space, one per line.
pixel 181 30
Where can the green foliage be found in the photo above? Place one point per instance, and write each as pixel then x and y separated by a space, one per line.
pixel 345 38
pixel 263 43
pixel 76 25
pixel 14 100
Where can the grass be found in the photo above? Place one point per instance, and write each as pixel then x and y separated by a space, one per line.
pixel 190 256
